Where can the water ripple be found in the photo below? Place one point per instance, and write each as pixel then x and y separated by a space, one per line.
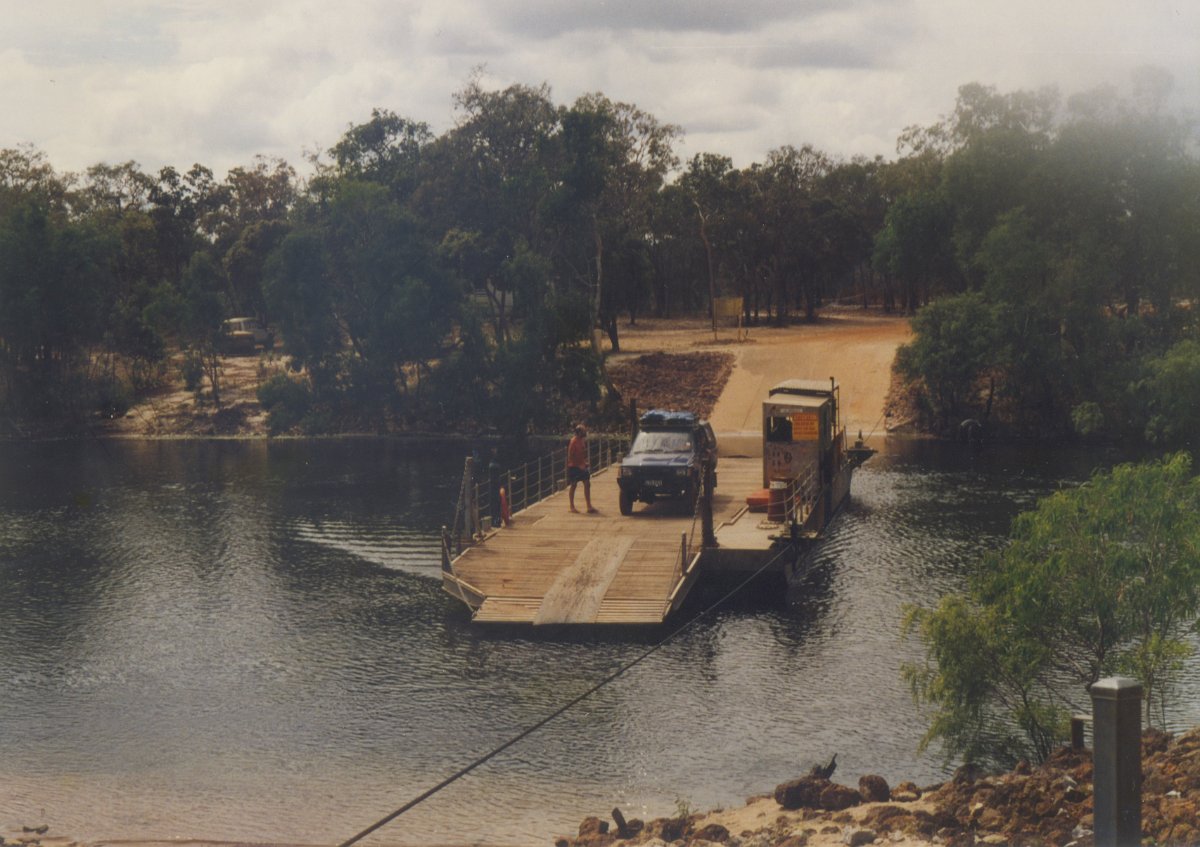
pixel 244 642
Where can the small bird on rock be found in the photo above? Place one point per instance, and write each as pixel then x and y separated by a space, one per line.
pixel 824 771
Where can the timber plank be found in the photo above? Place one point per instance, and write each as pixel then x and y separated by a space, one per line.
pixel 555 566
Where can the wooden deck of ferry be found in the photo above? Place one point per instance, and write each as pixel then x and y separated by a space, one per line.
pixel 553 566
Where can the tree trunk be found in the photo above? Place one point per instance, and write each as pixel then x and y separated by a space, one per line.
pixel 610 326
pixel 596 296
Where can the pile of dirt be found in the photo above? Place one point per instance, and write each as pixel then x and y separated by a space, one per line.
pixel 680 381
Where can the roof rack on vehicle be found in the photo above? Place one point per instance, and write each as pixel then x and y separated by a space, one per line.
pixel 668 419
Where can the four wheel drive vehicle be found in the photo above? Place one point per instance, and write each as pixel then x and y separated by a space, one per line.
pixel 666 459
pixel 244 336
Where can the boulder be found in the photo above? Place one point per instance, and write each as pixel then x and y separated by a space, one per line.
pixel 593 826
pixel 874 789
pixel 802 793
pixel 668 829
pixel 836 797
pixel 886 817
pixel 713 832
pixel 860 837
pixel 990 819
pixel 906 792
pixel 967 774
pixel 1154 741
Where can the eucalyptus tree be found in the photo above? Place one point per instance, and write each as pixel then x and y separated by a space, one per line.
pixel 363 299
pixel 53 272
pixel 1097 580
pixel 387 149
pixel 1128 183
pixel 615 160
pixel 250 223
pixel 116 200
pixel 791 213
pixel 708 183
pixel 182 209
pixel 857 205
pixel 26 174
pixel 676 252
pixel 486 186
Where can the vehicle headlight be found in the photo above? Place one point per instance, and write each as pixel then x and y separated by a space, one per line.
pixel 682 471
pixel 626 472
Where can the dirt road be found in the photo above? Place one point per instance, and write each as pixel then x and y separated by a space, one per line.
pixel 854 347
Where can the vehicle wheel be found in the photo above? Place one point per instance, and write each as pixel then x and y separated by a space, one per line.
pixel 626 504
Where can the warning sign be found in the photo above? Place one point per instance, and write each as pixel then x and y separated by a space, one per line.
pixel 806 426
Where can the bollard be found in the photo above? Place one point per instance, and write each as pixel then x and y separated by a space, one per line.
pixel 446 565
pixel 706 512
pixel 1117 761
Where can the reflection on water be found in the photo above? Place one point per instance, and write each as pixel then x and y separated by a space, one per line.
pixel 237 640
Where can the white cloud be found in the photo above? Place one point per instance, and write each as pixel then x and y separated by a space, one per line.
pixel 217 83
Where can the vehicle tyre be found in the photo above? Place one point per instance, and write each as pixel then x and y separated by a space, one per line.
pixel 626 504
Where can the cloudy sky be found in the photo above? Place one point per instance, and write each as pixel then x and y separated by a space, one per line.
pixel 220 81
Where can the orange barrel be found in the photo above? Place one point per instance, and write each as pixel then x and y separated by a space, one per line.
pixel 777 502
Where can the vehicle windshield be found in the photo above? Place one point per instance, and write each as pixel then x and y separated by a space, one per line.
pixel 661 442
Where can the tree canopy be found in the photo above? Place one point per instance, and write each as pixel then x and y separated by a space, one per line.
pixel 1095 581
pixel 404 258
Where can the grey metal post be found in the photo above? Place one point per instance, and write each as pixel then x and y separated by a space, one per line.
pixel 706 512
pixel 470 501
pixel 1117 759
pixel 493 511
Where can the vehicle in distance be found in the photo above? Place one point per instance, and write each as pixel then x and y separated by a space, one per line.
pixel 242 336
pixel 666 459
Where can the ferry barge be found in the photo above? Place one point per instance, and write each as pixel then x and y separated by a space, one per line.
pixel 517 555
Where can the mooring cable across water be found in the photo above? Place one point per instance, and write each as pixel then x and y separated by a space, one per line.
pixel 530 730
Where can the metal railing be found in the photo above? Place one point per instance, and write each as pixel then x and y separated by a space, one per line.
pixel 692 541
pixel 800 498
pixel 478 509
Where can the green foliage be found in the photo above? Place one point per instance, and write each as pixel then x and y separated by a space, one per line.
pixel 914 244
pixel 548 366
pixel 52 274
pixel 191 369
pixel 1075 224
pixel 1087 418
pixel 954 345
pixel 1169 394
pixel 1098 580
pixel 288 402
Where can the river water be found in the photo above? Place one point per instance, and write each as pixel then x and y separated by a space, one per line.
pixel 248 641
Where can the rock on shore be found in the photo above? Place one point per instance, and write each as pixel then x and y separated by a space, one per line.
pixel 1050 804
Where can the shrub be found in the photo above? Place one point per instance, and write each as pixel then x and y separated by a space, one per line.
pixel 286 400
